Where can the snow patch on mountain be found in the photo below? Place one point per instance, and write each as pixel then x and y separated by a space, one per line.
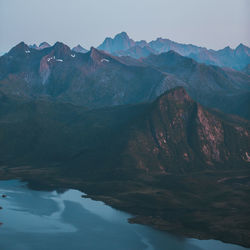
pixel 105 60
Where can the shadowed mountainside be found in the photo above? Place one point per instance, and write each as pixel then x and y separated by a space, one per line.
pixel 227 90
pixel 96 79
pixel 173 163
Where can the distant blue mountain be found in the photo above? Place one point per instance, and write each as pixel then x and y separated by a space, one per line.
pixel 123 45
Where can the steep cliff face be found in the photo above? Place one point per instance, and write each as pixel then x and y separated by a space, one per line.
pixel 179 135
pixel 174 134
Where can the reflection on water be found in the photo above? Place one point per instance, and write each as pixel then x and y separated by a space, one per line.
pixel 36 220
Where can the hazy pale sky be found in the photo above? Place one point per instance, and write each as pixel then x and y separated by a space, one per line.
pixel 210 23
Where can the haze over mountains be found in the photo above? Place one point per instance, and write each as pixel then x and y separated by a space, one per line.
pixel 123 45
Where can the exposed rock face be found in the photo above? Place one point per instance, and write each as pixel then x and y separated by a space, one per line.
pixel 180 135
pixel 44 69
pixel 211 135
pixel 174 134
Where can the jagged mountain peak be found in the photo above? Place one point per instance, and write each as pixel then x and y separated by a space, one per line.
pixel 94 51
pixel 120 42
pixel 44 45
pixel 173 56
pixel 21 45
pixel 241 45
pixel 33 46
pixel 58 51
pixel 98 51
pixel 59 46
pixel 177 95
pixel 98 56
pixel 170 55
pixel 243 51
pixel 141 43
pixel 173 53
pixel 79 49
pixel 122 35
pixel 20 48
pixel 160 39
pixel 226 49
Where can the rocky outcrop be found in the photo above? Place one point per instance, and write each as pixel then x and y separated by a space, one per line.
pixel 179 135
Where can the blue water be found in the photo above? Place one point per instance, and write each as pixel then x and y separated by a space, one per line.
pixel 38 220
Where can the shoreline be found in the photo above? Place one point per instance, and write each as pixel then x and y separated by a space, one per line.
pixel 165 226
pixel 126 201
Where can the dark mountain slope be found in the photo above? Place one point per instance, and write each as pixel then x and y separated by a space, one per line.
pixel 174 134
pixel 173 163
pixel 44 132
pixel 94 79
pixel 227 90
pixel 97 79
pixel 201 75
pixel 179 135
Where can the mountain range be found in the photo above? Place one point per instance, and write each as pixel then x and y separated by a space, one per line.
pixel 172 162
pixel 123 45
pixel 42 45
pixel 97 79
pixel 161 136
pixel 172 134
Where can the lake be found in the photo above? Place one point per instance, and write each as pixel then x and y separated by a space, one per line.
pixel 41 220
